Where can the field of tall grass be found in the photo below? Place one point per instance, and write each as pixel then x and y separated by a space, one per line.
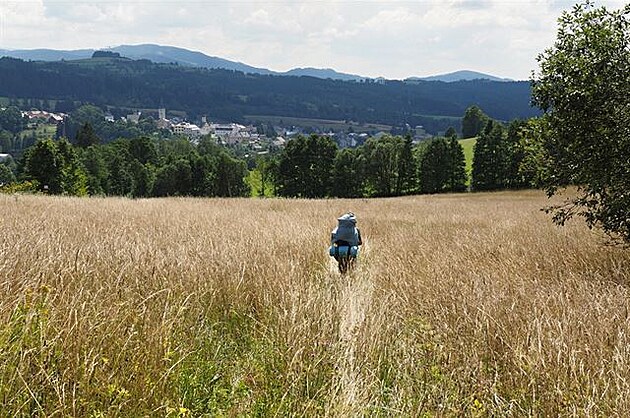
pixel 471 304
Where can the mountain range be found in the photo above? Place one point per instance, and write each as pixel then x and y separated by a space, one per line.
pixel 185 57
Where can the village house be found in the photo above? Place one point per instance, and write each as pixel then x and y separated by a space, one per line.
pixel 41 116
pixel 233 133
pixel 189 130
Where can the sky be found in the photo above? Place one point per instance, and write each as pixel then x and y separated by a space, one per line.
pixel 394 39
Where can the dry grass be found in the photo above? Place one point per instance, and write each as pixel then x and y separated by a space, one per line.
pixel 468 305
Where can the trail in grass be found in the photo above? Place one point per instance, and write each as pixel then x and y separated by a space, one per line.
pixel 355 295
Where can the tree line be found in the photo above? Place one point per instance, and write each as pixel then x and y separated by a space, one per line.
pixel 138 167
pixel 308 166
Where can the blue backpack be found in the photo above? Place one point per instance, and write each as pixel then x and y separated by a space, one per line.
pixel 345 237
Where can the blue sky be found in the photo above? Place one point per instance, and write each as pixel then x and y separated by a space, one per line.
pixel 390 38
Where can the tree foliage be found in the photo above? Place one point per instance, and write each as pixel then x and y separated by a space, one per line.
pixel 305 167
pixel 442 166
pixel 56 168
pixel 490 159
pixel 11 119
pixel 473 122
pixel 583 87
pixel 382 164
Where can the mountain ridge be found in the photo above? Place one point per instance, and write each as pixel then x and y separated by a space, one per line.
pixel 182 56
pixel 461 75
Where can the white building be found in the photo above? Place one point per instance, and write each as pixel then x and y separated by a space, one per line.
pixel 134 117
pixel 190 130
pixel 233 133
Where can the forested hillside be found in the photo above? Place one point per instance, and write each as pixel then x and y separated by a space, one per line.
pixel 230 95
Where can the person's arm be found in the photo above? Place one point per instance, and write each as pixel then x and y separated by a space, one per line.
pixel 360 240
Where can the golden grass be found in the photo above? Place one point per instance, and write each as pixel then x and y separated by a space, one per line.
pixel 471 304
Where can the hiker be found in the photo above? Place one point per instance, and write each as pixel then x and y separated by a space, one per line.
pixel 345 241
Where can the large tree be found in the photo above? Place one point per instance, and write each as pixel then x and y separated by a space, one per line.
pixel 458 175
pixel 305 167
pixel 56 168
pixel 490 158
pixel 86 136
pixel 348 173
pixel 435 166
pixel 583 87
pixel 11 119
pixel 407 167
pixel 473 122
pixel 382 165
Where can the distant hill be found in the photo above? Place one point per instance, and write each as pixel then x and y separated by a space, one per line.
pixel 230 95
pixel 171 54
pixel 47 54
pixel 324 73
pixel 182 56
pixel 464 75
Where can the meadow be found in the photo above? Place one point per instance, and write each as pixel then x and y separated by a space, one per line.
pixel 461 305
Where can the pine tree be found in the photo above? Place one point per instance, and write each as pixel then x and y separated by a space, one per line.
pixel 435 169
pixel 490 160
pixel 86 136
pixel 458 176
pixel 407 168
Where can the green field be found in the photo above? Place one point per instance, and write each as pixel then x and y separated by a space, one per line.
pixel 468 144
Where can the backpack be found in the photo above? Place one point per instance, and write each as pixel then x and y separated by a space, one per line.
pixel 346 229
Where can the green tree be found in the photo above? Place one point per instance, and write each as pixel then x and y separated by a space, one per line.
pixel 583 88
pixel 451 132
pixel 174 179
pixel 44 165
pixel 88 114
pixel 56 167
pixel 96 169
pixel 515 148
pixel 6 141
pixel 143 178
pixel 86 136
pixel 265 174
pixel 490 159
pixel 143 149
pixel 407 168
pixel 203 175
pixel 305 167
pixel 6 175
pixel 435 168
pixel 382 157
pixel 473 122
pixel 11 119
pixel 457 173
pixel 120 180
pixel 73 176
pixel 348 173
pixel 230 177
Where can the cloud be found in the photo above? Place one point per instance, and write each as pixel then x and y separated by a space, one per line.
pixel 394 38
